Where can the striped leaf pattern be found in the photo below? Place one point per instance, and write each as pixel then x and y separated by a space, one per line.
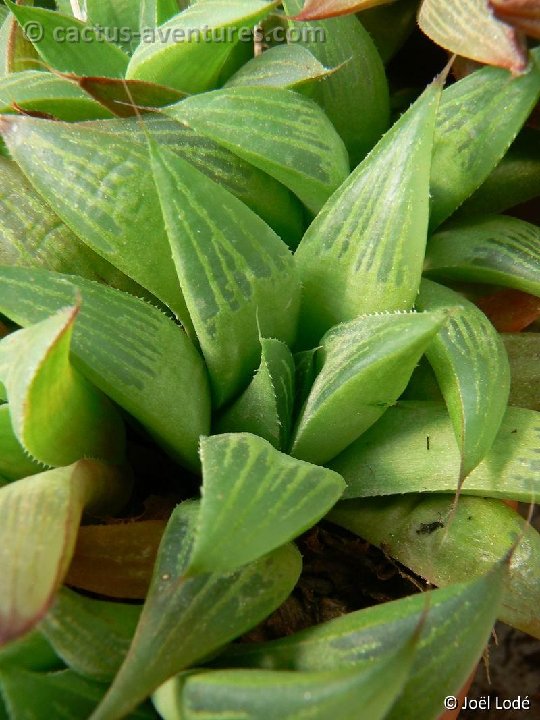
pixel 265 408
pixel 355 97
pixel 127 348
pixel 191 48
pixel 478 119
pixel 364 366
pixel 364 251
pixel 414 530
pixel 469 28
pixel 186 619
pixel 49 506
pixel 278 131
pixel 472 369
pixel 254 499
pixel 459 619
pixel 237 276
pixel 499 250
pixel 413 449
pixel 75 420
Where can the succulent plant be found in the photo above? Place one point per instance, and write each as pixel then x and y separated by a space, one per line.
pixel 246 292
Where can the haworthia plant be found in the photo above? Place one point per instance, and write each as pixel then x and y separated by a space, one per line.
pixel 364 251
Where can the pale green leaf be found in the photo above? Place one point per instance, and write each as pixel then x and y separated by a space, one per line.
pixel 189 51
pixel 187 619
pixel 70 45
pixel 118 18
pixel 470 28
pixel 498 250
pixel 356 97
pixel 265 408
pixel 364 366
pixel 414 530
pixel 91 636
pixel 478 119
pixel 131 351
pixel 364 251
pixel 254 499
pixel 472 370
pixel 154 13
pixel 413 449
pixel 15 463
pixel 242 282
pixel 454 625
pixel 58 416
pixel 48 507
pixel 277 130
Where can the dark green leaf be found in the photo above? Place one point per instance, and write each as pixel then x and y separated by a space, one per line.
pixel 31 652
pixel 390 26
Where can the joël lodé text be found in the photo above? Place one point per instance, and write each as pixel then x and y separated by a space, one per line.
pixel 486 702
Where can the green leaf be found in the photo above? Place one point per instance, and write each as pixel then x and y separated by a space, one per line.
pixel 49 507
pixel 31 235
pixel 245 282
pixel 191 48
pixel 136 355
pixel 254 499
pixel 20 54
pixel 390 26
pixel 42 92
pixel 187 619
pixel 57 415
pixel 72 697
pixel 14 461
pixel 356 97
pixel 70 45
pixel 478 119
pixel 472 370
pixel 265 408
pixel 277 130
pixel 118 18
pixel 454 626
pixel 30 652
pixel 470 28
pixel 364 366
pixel 413 449
pixel 91 636
pixel 281 695
pixel 286 66
pixel 500 250
pixel 414 530
pixel 515 180
pixel 364 251
pixel 524 354
pixel 154 13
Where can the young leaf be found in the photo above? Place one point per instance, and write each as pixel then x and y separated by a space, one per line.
pixel 413 449
pixel 478 119
pixel 355 97
pixel 57 415
pixel 186 619
pixel 254 499
pixel 49 507
pixel 265 408
pixel 280 695
pixel 454 625
pixel 364 366
pixel 242 284
pixel 472 370
pixel 31 235
pixel 364 251
pixel 191 48
pixel 14 461
pixel 277 130
pixel 91 636
pixel 286 66
pixel 413 529
pixel 42 92
pixel 136 355
pixel 500 250
pixel 154 13
pixel 320 9
pixel 524 354
pixel 469 28
pixel 72 697
pixel 70 45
